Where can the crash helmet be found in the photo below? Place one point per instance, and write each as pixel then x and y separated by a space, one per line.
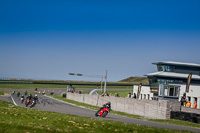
pixel 35 95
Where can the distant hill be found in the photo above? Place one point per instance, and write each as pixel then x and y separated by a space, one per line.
pixel 136 80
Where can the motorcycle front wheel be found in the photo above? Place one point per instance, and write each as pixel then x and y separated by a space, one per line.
pixel 104 114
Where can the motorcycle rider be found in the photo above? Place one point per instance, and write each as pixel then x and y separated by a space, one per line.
pixel 25 93
pixel 35 98
pixel 22 98
pixel 34 101
pixel 28 100
pixel 29 97
pixel 106 107
pixel 18 93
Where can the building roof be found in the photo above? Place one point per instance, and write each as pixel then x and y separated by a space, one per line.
pixel 173 75
pixel 178 63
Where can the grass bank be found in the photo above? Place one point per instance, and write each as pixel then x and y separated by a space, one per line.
pixel 16 119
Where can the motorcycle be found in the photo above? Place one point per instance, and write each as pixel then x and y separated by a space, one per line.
pixel 22 100
pixel 43 93
pixel 103 111
pixel 33 104
pixel 28 101
pixel 18 93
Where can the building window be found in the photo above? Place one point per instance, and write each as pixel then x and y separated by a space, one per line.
pixel 165 90
pixel 189 99
pixel 144 96
pixel 172 91
pixel 159 68
pixel 166 68
pixel 176 91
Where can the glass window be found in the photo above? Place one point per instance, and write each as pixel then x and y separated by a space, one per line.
pixel 171 91
pixel 166 90
pixel 166 68
pixel 159 68
pixel 189 98
pixel 176 91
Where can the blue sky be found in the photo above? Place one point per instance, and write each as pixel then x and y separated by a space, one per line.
pixel 48 39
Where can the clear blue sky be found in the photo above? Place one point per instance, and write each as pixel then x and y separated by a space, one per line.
pixel 47 39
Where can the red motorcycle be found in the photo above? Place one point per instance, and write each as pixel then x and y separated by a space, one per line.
pixel 28 101
pixel 103 111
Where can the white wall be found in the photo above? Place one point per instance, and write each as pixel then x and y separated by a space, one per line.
pixel 145 90
pixel 194 91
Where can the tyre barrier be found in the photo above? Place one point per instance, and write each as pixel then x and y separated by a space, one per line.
pixel 191 117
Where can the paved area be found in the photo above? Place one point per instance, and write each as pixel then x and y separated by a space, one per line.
pixel 49 104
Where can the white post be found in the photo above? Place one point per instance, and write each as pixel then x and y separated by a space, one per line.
pixel 198 102
pixel 192 99
pixel 101 83
pixel 105 82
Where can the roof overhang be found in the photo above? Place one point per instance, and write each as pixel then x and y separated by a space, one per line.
pixel 172 75
pixel 177 64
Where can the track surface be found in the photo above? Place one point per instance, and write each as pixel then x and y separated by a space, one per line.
pixel 49 104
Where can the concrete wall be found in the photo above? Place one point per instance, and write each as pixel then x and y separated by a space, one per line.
pixel 190 110
pixel 147 108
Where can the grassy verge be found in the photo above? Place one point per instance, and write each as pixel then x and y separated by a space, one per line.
pixel 1 93
pixel 168 121
pixel 31 86
pixel 17 119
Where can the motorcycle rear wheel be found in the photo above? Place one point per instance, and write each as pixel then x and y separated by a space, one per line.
pixel 26 103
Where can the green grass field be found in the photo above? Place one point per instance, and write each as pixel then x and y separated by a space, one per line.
pixel 33 86
pixel 15 119
pixel 85 88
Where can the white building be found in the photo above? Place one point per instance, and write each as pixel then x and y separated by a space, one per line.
pixel 145 92
pixel 169 83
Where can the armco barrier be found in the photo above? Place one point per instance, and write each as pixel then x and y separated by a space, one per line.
pixel 148 108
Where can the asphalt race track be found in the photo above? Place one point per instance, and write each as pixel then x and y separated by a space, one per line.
pixel 50 104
